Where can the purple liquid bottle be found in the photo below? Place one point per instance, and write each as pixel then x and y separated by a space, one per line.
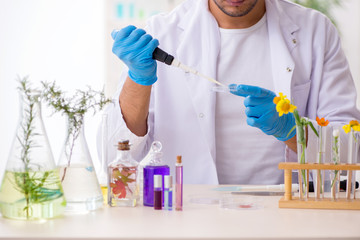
pixel 156 167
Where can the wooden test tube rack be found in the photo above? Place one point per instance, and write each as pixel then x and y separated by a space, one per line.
pixel 288 201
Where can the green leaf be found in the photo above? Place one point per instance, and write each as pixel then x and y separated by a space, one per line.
pixel 313 128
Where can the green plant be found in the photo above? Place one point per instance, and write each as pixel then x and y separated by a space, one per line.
pixel 74 108
pixel 32 182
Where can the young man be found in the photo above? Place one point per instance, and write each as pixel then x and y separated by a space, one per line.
pixel 264 46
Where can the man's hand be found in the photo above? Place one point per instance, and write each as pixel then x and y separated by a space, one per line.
pixel 135 48
pixel 261 112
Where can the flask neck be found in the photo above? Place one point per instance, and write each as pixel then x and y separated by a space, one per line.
pixel 75 127
pixel 156 159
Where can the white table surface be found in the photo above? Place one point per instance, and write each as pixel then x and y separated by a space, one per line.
pixel 196 221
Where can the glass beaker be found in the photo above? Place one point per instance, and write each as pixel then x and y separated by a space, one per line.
pixel 31 186
pixel 78 177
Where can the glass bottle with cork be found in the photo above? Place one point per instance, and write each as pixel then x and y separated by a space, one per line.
pixel 123 187
pixel 155 167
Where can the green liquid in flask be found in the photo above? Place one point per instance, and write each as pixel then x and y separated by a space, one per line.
pixel 31 195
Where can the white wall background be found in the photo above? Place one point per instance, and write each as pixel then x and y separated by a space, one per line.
pixel 49 40
pixel 66 41
pixel 348 20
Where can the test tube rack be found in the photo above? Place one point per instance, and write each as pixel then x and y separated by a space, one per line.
pixel 344 202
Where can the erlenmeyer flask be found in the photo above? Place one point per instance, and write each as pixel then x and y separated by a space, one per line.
pixel 31 186
pixel 78 177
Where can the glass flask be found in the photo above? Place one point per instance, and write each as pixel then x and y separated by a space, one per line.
pixel 123 187
pixel 31 187
pixel 78 177
pixel 154 167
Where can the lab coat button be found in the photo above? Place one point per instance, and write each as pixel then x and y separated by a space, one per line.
pixel 294 41
pixel 201 115
pixel 288 69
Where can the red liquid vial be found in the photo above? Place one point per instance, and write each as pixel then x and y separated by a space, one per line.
pixel 158 193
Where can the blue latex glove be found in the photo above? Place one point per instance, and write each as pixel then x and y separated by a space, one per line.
pixel 135 48
pixel 261 112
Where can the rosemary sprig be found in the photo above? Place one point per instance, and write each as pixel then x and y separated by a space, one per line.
pixel 74 108
pixel 32 182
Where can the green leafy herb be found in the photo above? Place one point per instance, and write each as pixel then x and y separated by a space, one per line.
pixel 74 108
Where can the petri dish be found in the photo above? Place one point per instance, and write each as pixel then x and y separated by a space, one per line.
pixel 240 203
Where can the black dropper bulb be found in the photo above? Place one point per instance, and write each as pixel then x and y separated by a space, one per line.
pixel 162 56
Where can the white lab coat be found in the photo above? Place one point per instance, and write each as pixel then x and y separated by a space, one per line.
pixel 308 66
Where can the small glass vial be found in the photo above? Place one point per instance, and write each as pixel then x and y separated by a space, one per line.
pixel 179 184
pixel 168 192
pixel 123 188
pixel 158 193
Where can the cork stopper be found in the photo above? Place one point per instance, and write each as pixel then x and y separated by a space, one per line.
pixel 124 145
pixel 178 159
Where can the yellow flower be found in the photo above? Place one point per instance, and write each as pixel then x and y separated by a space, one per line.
pixel 278 99
pixel 352 125
pixel 283 105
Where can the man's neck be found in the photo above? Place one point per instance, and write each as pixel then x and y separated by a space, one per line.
pixel 228 22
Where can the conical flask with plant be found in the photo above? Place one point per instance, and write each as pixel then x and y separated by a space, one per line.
pixel 31 187
pixel 78 176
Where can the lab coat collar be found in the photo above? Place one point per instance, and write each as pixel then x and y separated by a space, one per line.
pixel 282 37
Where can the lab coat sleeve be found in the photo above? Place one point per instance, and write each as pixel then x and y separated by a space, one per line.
pixel 118 130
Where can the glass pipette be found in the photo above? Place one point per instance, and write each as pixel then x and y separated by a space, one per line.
pixel 224 89
pixel 168 59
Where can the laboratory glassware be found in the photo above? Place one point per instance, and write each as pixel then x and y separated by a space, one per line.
pixel 103 173
pixel 123 187
pixel 168 192
pixel 155 167
pixel 158 192
pixel 77 173
pixel 31 187
pixel 179 184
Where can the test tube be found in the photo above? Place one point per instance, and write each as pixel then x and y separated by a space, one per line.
pixel 179 184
